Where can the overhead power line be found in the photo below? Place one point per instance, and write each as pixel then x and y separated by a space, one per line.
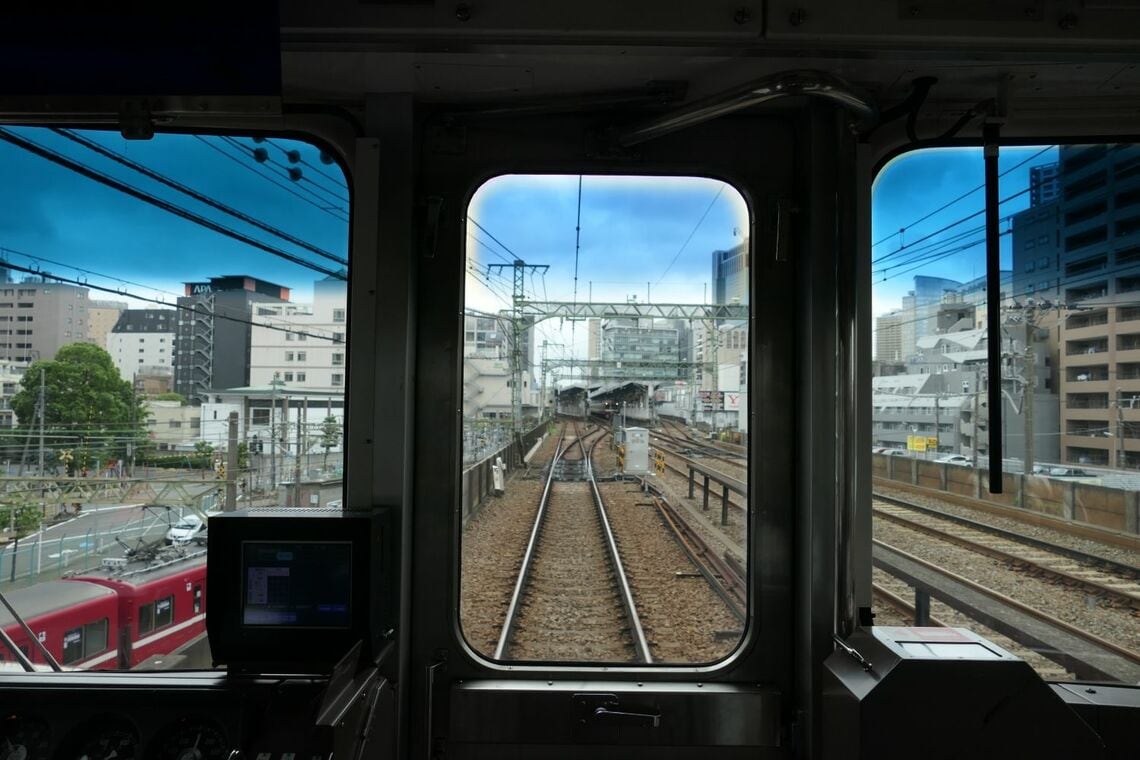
pixel 225 209
pixel 108 181
pixel 961 197
pixel 219 310
pixel 333 211
pixel 180 307
pixel 252 153
pixel 488 234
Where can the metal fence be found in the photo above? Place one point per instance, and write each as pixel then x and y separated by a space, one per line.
pixel 476 482
pixel 79 544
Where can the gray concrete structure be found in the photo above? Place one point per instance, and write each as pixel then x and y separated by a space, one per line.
pixel 212 345
pixel 37 318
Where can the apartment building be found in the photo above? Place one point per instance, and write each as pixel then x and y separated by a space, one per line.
pixel 212 341
pixel 143 340
pixel 37 318
pixel 1087 243
pixel 302 346
pixel 102 316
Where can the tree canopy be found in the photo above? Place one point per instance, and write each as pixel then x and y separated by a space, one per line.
pixel 86 403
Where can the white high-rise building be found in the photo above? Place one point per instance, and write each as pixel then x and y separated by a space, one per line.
pixel 302 346
pixel 142 340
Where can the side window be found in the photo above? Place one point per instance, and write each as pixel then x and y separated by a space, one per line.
pixel 1066 388
pixel 73 646
pixel 146 618
pixel 605 418
pixel 95 637
pixel 177 272
pixel 164 612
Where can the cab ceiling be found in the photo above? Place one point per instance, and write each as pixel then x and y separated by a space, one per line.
pixel 1054 66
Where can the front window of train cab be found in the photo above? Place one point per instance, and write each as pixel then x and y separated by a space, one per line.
pixel 173 344
pixel 605 420
pixel 1050 548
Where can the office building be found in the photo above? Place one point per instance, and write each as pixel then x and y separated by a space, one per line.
pixel 141 341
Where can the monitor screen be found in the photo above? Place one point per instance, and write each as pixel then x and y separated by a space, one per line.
pixel 297 584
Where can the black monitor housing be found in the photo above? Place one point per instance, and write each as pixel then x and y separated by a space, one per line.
pixel 292 590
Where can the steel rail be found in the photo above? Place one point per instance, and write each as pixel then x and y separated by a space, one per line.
pixel 528 558
pixel 1021 607
pixel 721 575
pixel 1110 536
pixel 1077 554
pixel 1128 597
pixel 639 640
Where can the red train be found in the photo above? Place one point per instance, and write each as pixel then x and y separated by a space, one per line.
pixel 112 618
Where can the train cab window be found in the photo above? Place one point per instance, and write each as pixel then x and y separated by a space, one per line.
pixel 605 420
pixel 1066 378
pixel 190 262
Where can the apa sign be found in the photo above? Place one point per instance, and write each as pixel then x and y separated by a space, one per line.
pixel 199 288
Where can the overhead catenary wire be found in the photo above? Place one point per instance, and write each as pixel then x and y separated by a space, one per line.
pixel 180 307
pixel 196 195
pixel 317 169
pixel 108 181
pixel 961 197
pixel 696 227
pixel 333 211
pixel 251 153
pixel 952 225
pixel 219 311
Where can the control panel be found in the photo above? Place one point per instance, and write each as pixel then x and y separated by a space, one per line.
pixel 190 716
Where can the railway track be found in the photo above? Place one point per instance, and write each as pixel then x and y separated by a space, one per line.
pixel 572 600
pixel 1099 576
pixel 1087 655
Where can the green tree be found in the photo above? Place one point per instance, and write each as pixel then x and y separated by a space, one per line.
pixel 87 406
pixel 171 397
pixel 330 436
pixel 203 447
pixel 21 515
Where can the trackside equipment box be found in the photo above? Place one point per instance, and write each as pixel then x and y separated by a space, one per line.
pixel 636 451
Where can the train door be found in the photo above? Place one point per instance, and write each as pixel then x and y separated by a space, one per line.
pixel 791 170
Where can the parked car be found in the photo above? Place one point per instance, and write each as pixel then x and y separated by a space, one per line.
pixel 955 459
pixel 185 530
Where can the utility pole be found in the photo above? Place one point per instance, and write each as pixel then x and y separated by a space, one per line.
pixel 974 437
pixel 937 395
pixel 231 464
pixel 273 385
pixel 43 389
pixel 1027 402
pixel 1121 457
pixel 518 299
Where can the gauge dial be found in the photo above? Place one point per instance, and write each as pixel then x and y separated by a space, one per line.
pixel 23 738
pixel 190 739
pixel 110 743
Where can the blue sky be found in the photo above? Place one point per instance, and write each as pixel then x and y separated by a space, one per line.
pixel 49 211
pixel 917 183
pixel 641 237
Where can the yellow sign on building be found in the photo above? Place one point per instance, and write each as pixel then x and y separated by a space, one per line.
pixel 916 442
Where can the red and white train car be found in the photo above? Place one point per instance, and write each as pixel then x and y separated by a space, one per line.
pixel 112 618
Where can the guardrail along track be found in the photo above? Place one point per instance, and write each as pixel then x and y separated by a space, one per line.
pixel 1023 552
pixel 1083 653
pixel 572 601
